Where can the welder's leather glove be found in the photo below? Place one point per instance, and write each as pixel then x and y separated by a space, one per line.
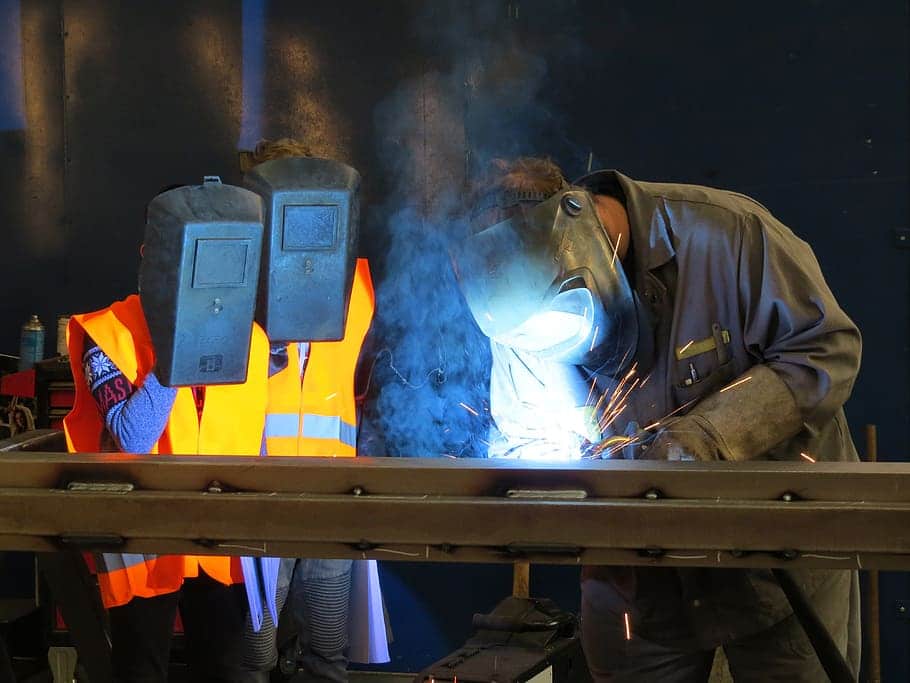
pixel 741 423
pixel 682 439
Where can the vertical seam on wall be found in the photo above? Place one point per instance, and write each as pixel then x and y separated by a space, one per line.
pixel 65 144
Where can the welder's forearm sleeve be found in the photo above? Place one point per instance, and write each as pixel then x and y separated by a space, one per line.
pixel 134 416
pixel 792 322
pixel 753 415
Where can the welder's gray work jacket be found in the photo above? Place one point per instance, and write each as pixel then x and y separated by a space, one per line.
pixel 727 286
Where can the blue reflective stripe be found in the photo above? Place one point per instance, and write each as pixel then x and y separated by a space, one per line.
pixel 112 562
pixel 329 427
pixel 282 425
pixel 287 425
pixel 348 434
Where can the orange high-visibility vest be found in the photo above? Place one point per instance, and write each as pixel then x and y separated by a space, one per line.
pixel 231 424
pixel 319 416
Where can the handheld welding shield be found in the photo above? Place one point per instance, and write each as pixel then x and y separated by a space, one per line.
pixel 311 218
pixel 197 281
pixel 547 281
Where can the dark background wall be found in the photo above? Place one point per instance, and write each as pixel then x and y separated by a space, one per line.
pixel 802 104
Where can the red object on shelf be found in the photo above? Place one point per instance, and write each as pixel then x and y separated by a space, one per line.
pixel 18 384
pixel 61 398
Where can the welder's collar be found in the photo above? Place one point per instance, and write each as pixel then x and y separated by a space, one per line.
pixel 650 237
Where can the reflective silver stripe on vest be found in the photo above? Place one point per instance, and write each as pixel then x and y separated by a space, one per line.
pixel 314 427
pixel 112 562
pixel 329 427
pixel 282 425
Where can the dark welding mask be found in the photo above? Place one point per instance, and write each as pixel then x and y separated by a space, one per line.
pixel 311 216
pixel 547 281
pixel 197 281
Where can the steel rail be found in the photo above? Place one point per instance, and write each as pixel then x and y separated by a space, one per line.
pixel 759 514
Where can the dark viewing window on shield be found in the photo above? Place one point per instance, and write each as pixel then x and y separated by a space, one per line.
pixel 310 227
pixel 220 263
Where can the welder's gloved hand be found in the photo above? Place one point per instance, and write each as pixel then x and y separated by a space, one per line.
pixel 740 423
pixel 684 438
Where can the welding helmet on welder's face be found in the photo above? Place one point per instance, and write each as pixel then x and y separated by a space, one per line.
pixel 547 281
pixel 311 217
pixel 197 281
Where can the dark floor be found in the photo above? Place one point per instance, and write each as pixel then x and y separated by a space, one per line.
pixel 30 671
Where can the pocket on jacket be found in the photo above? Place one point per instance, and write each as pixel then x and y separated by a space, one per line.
pixel 702 365
pixel 697 377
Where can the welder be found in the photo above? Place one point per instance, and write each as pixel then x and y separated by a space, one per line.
pixel 179 368
pixel 316 304
pixel 668 322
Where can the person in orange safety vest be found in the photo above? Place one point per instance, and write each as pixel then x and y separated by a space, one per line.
pixel 316 303
pixel 316 414
pixel 121 405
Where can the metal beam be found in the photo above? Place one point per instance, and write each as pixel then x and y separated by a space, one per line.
pixel 693 514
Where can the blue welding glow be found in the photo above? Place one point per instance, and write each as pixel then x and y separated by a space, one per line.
pixel 558 433
pixel 12 101
pixel 557 447
pixel 253 30
pixel 547 330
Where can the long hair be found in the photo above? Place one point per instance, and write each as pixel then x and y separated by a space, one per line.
pixel 267 150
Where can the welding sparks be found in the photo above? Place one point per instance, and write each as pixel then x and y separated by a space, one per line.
pixel 625 617
pixel 331 396
pixel 591 390
pixel 619 387
pixel 611 445
pixel 469 409
pixel 620 404
pixel 806 456
pixel 683 349
pixel 682 407
pixel 489 317
pixel 610 449
pixel 617 446
pixel 594 339
pixel 615 250
pixel 617 403
pixel 625 356
pixel 735 384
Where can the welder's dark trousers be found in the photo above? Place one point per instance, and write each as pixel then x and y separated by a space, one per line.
pixel 781 652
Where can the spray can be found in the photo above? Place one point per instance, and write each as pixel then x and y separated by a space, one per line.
pixel 31 343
